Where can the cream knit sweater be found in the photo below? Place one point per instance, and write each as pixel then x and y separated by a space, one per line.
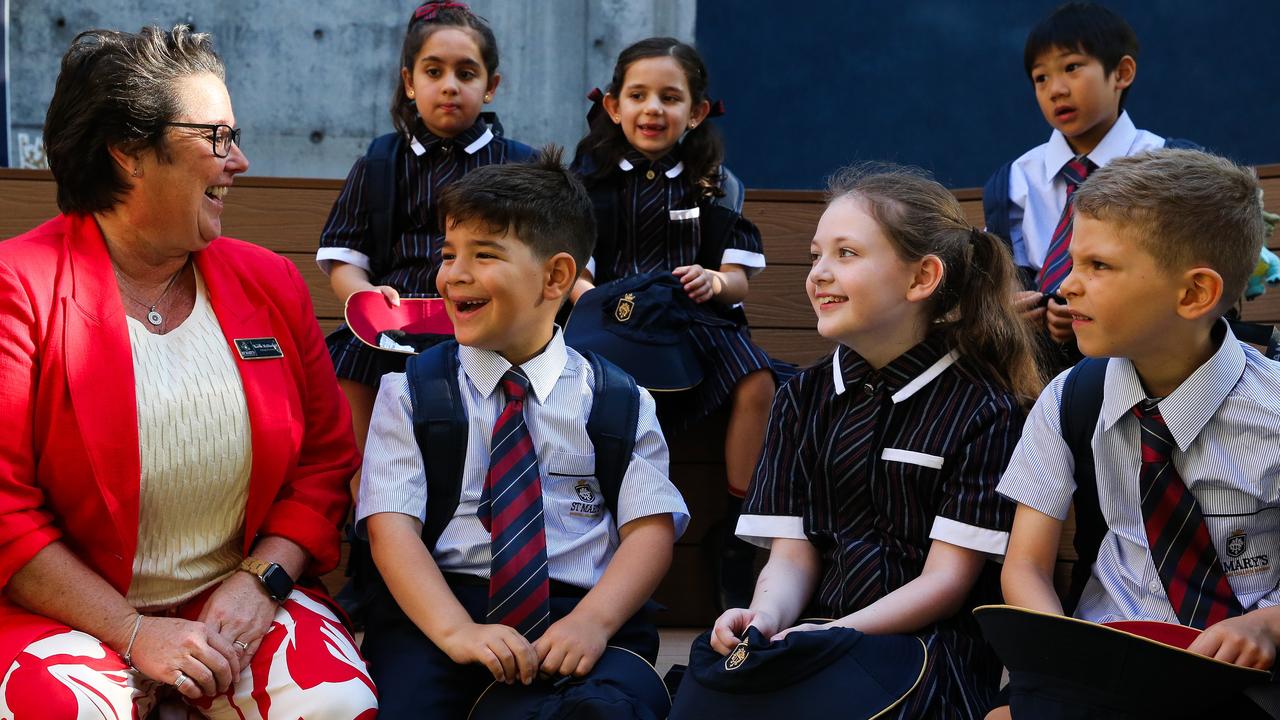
pixel 193 433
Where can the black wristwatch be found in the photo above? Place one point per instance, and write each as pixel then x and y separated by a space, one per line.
pixel 274 579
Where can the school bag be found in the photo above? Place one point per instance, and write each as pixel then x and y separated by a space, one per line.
pixel 380 189
pixel 1078 417
pixel 441 428
pixel 996 204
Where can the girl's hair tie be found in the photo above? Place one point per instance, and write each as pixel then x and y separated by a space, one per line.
pixel 717 108
pixel 427 11
pixel 596 96
pixel 974 235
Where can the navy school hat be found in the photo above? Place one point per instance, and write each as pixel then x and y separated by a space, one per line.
pixel 621 686
pixel 833 673
pixel 1062 667
pixel 641 324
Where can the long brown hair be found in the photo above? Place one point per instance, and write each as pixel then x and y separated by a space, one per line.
pixel 973 306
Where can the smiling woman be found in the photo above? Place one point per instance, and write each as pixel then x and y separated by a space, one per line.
pixel 160 495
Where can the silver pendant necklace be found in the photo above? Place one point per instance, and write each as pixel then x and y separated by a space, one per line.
pixel 153 316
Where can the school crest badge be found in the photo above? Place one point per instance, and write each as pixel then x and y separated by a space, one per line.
pixel 737 657
pixel 1237 544
pixel 626 304
pixel 584 492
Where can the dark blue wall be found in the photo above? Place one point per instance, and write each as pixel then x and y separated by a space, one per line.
pixel 811 86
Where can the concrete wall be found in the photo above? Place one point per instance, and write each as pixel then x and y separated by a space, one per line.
pixel 311 80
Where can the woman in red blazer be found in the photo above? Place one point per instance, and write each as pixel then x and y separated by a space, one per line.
pixel 141 139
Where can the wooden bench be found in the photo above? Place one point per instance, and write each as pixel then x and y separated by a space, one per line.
pixel 287 214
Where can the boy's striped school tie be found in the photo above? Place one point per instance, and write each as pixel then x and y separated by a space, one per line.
pixel 1177 535
pixel 511 510
pixel 1057 260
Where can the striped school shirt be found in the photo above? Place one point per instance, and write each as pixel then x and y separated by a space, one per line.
pixel 1225 420
pixel 417 248
pixel 662 230
pixel 872 465
pixel 582 534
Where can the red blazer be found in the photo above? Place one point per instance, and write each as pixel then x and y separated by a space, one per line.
pixel 69 457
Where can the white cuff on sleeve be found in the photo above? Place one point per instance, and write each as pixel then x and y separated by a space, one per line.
pixel 760 530
pixel 991 542
pixel 326 255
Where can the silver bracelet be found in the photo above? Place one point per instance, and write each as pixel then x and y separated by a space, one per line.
pixel 128 651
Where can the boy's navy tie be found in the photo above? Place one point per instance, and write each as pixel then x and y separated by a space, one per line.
pixel 511 510
pixel 1176 533
pixel 1057 260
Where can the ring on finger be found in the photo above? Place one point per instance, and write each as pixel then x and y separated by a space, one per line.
pixel 240 644
pixel 181 679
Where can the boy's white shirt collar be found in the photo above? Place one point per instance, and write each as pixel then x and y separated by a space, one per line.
pixel 484 368
pixel 1115 144
pixel 1188 408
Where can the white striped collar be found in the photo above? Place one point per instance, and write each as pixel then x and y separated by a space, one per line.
pixel 907 390
pixel 1188 408
pixel 485 367
pixel 626 166
pixel 485 138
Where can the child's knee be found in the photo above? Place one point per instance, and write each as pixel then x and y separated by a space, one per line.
pixel 1000 713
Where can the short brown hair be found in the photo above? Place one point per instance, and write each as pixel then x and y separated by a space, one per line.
pixel 117 89
pixel 1187 208
pixel 541 202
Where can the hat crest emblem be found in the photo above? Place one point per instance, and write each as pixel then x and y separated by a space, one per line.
pixel 626 304
pixel 737 657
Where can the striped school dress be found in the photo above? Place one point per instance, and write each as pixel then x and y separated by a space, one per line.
pixel 423 170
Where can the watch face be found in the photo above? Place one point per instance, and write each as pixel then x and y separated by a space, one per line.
pixel 278 583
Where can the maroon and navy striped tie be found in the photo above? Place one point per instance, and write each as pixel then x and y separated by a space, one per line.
pixel 1176 533
pixel 1057 260
pixel 511 510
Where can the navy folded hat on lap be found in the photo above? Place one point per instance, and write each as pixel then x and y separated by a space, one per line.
pixel 641 324
pixel 1062 668
pixel 621 686
pixel 833 673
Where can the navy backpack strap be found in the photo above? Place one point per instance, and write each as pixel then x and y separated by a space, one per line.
pixel 996 202
pixel 380 198
pixel 440 427
pixel 518 152
pixel 1267 336
pixel 1078 415
pixel 611 425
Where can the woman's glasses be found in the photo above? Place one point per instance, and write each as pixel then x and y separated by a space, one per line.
pixel 220 136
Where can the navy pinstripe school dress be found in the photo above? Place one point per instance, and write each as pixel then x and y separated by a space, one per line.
pixel 427 165
pixel 871 466
pixel 659 226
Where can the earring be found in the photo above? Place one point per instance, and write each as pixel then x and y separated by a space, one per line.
pixel 410 93
pixel 693 124
pixel 617 118
pixel 488 97
pixel 136 172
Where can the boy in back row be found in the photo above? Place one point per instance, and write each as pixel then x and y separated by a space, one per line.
pixel 532 573
pixel 1082 61
pixel 1184 445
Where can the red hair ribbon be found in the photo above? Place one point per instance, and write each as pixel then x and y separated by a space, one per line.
pixel 717 108
pixel 427 11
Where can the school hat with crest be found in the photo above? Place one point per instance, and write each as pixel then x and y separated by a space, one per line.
pixel 1064 668
pixel 621 686
pixel 833 673
pixel 641 324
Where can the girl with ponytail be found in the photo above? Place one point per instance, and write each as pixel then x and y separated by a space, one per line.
pixel 876 488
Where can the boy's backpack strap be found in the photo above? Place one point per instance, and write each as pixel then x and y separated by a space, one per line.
pixel 996 202
pixel 611 425
pixel 440 427
pixel 1182 144
pixel 1258 334
pixel 1078 415
pixel 380 198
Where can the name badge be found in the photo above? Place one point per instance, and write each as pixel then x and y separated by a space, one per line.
pixel 259 349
